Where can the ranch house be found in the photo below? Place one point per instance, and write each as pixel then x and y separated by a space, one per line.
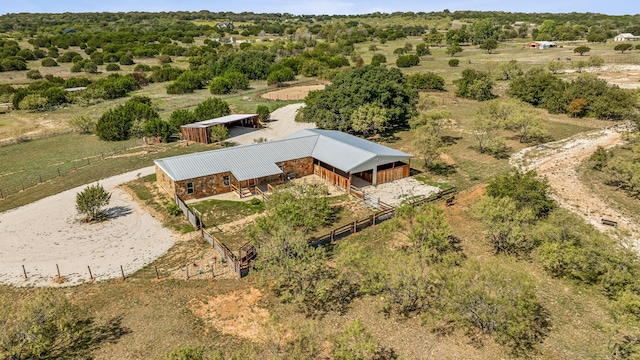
pixel 343 160
pixel 626 37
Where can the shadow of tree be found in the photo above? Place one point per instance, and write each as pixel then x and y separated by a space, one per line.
pixel 84 336
pixel 448 140
pixel 117 211
pixel 442 169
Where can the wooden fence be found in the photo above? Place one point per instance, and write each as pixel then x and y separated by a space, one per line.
pixel 396 173
pixel 248 253
pixel 331 177
pixel 190 214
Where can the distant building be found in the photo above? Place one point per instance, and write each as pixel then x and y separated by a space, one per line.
pixel 626 37
pixel 518 23
pixel 68 31
pixel 226 25
pixel 541 45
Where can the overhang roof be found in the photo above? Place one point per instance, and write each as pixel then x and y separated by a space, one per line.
pixel 343 151
pixel 221 120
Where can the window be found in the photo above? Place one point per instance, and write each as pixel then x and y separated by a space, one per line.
pixel 226 180
pixel 281 168
pixel 189 188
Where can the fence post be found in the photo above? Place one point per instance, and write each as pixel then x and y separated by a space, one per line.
pixel 58 172
pixel 187 267
pixel 58 268
pixel 1 194
pixel 157 275
pixel 90 274
pixel 40 177
pixel 355 226
pixel 24 271
pixel 22 182
pixel 122 272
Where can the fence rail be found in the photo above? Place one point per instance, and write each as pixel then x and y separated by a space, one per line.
pixel 248 253
pixel 14 184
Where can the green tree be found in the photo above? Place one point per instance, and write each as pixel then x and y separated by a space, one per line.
pixel 332 107
pixel 369 119
pixel 211 108
pixel 90 201
pixel 378 59
pixel 264 114
pixel 220 86
pixel 453 49
pixel 422 50
pixel 34 102
pixel 494 298
pixel 83 124
pixel 525 189
pixel 219 133
pixel 454 62
pixel 581 50
pixel 555 66
pixel 489 45
pixel 623 47
pixel 507 225
pixel 181 117
pixel 45 325
pixel 424 81
pixel 157 127
pixel 476 85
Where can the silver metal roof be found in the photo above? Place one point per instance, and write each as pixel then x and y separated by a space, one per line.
pixel 346 152
pixel 221 120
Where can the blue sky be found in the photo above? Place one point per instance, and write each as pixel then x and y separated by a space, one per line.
pixel 320 6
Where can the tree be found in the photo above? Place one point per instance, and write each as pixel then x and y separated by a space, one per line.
pixel 454 62
pixel 83 124
pixel 181 117
pixel 378 59
pixel 623 47
pixel 211 108
pixel 453 49
pixel 507 225
pixel 428 146
pixel 422 50
pixel 220 86
pixel 219 133
pixel 264 114
pixel 476 85
pixel 489 45
pixel 369 119
pixel 34 102
pixel 424 81
pixel 407 60
pixel 332 107
pixel 525 189
pixel 89 202
pixel 158 128
pixel 581 50
pixel 45 325
pixel 555 66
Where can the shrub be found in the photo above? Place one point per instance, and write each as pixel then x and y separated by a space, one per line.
pixel 34 75
pixel 408 60
pixel 125 60
pixel 142 67
pixel 378 59
pixel 220 86
pixel 428 80
pixel 83 124
pixel 89 202
pixel 454 62
pixel 34 102
pixel 264 113
pixel 174 209
pixel 112 67
pixel 164 59
pixel 211 108
pixel 69 56
pixel 48 62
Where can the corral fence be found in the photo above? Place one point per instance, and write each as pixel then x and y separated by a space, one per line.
pixel 248 253
pixel 16 183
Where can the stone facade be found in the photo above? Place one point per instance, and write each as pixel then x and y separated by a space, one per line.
pixel 215 183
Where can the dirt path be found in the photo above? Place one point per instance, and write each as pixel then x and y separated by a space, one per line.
pixel 557 161
pixel 283 123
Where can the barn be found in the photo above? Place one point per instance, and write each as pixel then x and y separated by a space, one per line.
pixel 541 45
pixel 626 37
pixel 343 160
pixel 201 131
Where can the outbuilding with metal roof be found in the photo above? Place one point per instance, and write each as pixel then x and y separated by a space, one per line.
pixel 341 159
pixel 201 131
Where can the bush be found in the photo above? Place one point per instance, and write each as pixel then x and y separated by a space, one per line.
pixel 220 86
pixel 428 80
pixel 378 59
pixel 174 209
pixel 34 102
pixel 454 62
pixel 407 61
pixel 48 62
pixel 280 76
pixel 142 68
pixel 34 75
pixel 125 60
pixel 112 67
pixel 90 201
pixel 70 56
pixel 264 113
pixel 211 108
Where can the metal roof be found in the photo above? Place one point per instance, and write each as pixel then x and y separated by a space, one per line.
pixel 221 120
pixel 343 151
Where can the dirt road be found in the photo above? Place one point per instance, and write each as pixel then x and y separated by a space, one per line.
pixel 557 161
pixel 282 124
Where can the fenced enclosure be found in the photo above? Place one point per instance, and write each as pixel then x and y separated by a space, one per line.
pixel 248 253
pixel 22 180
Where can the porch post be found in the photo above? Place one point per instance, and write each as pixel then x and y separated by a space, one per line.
pixel 374 178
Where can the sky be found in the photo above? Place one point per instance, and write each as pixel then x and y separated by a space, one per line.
pixel 317 7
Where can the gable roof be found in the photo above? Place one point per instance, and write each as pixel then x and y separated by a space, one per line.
pixel 343 151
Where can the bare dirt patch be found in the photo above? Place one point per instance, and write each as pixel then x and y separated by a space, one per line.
pixel 393 193
pixel 558 161
pixel 626 76
pixel 292 93
pixel 236 313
